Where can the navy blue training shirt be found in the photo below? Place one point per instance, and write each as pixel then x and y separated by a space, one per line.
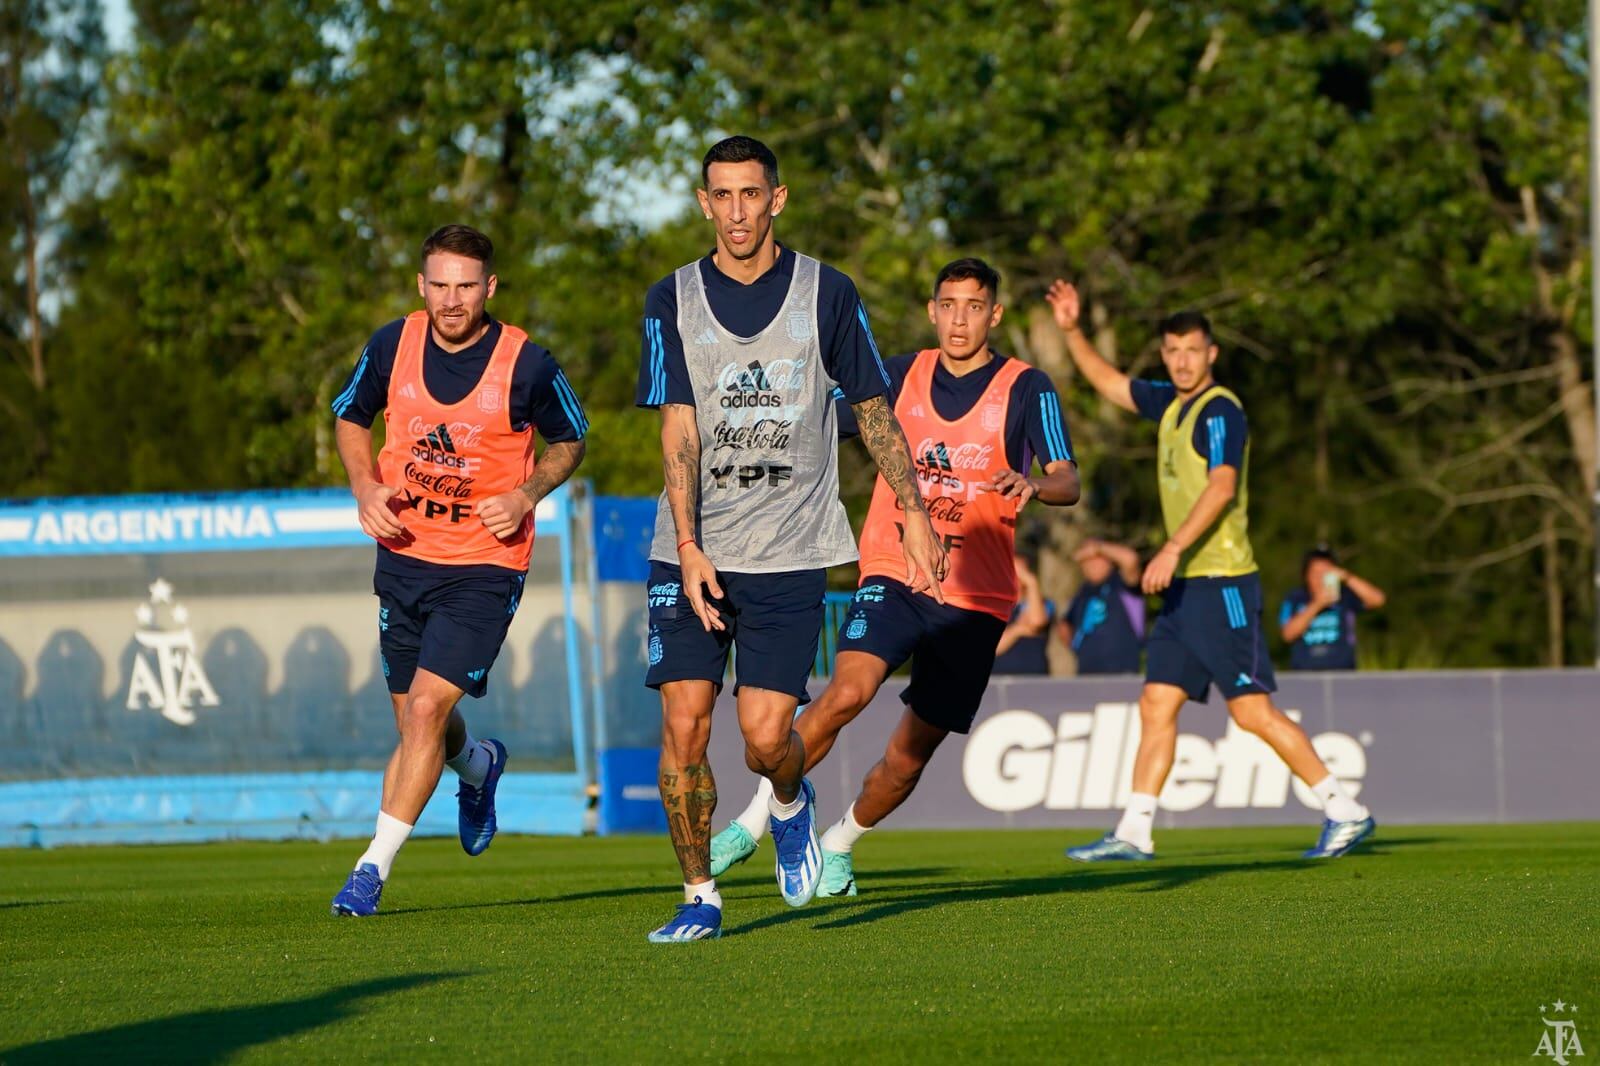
pixel 541 396
pixel 1028 655
pixel 1220 431
pixel 849 354
pixel 1329 642
pixel 1107 623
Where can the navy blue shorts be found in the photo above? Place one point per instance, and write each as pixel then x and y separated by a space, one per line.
pixel 951 649
pixel 449 620
pixel 773 622
pixel 1209 633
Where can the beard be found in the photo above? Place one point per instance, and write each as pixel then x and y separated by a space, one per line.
pixel 455 329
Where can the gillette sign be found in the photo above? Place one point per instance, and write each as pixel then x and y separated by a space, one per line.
pixel 1016 760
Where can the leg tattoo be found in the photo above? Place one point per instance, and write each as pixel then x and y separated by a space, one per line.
pixel 690 797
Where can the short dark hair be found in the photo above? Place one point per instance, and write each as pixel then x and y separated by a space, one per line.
pixel 1321 551
pixel 969 268
pixel 740 149
pixel 1183 322
pixel 460 240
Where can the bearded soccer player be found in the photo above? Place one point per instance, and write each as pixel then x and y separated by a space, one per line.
pixel 979 419
pixel 1209 629
pixel 744 350
pixel 450 502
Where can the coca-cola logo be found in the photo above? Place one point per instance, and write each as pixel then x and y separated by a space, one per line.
pixel 452 485
pixel 464 434
pixel 945 508
pixel 962 457
pixel 775 375
pixel 763 434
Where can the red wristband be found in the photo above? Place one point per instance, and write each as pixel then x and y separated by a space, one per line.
pixel 686 540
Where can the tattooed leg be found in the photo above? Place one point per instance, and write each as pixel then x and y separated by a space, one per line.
pixel 688 790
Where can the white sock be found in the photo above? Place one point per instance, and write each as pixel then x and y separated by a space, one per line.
pixel 391 833
pixel 1336 802
pixel 842 836
pixel 1138 821
pixel 472 762
pixel 784 811
pixel 754 818
pixel 706 890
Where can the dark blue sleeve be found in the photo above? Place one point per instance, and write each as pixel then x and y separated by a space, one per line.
pixel 1350 601
pixel 1152 398
pixel 1074 615
pixel 849 353
pixel 366 393
pixel 1220 433
pixel 552 404
pixel 663 374
pixel 897 367
pixel 1292 605
pixel 1043 423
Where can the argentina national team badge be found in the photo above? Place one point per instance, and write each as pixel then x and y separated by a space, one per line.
pixel 857 628
pixel 490 399
pixel 991 415
pixel 799 323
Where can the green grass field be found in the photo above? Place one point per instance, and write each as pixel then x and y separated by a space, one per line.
pixel 1434 944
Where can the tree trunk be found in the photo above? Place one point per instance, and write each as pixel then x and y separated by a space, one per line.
pixel 1555 629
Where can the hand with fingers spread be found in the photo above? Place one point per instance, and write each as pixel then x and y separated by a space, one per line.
pixel 504 514
pixel 1011 485
pixel 1064 304
pixel 927 563
pixel 376 509
pixel 700 586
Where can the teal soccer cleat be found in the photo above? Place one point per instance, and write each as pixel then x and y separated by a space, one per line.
pixel 1109 848
pixel 838 875
pixel 731 847
pixel 1339 837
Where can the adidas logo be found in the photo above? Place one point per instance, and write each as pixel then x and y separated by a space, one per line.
pixel 437 448
pixel 754 379
pixel 409 391
pixel 1016 760
pixel 476 675
pixel 937 457
pixel 709 337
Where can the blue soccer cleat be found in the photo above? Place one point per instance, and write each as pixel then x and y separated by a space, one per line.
pixel 694 921
pixel 475 819
pixel 1109 848
pixel 731 847
pixel 1339 837
pixel 359 896
pixel 799 864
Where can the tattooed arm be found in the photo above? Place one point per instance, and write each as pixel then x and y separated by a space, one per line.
pixel 926 562
pixel 680 470
pixel 504 514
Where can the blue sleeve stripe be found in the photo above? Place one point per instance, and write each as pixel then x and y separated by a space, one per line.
pixel 652 332
pixel 1219 437
pixel 570 404
pixel 342 402
pixel 661 364
pixel 861 314
pixel 1054 430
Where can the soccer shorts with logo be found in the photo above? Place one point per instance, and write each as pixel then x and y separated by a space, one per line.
pixel 951 649
pixel 1209 633
pixel 448 620
pixel 773 622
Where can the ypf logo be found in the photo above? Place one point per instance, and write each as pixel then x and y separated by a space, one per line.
pixel 1017 760
pixel 167 675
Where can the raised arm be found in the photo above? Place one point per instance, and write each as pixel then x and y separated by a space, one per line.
pixel 1107 380
pixel 1124 558
pixel 680 470
pixel 926 561
pixel 1370 595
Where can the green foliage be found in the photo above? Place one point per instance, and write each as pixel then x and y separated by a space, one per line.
pixel 1380 204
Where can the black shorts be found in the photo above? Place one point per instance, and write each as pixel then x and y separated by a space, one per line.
pixel 1209 633
pixel 773 622
pixel 951 649
pixel 449 620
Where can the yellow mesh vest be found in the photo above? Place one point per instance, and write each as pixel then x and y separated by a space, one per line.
pixel 1224 549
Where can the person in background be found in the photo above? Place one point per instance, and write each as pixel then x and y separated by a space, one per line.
pixel 1104 624
pixel 1318 619
pixel 1022 645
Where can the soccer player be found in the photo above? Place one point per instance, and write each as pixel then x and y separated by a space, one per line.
pixel 1209 629
pixel 450 502
pixel 1318 619
pixel 1104 623
pixel 743 352
pixel 980 419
